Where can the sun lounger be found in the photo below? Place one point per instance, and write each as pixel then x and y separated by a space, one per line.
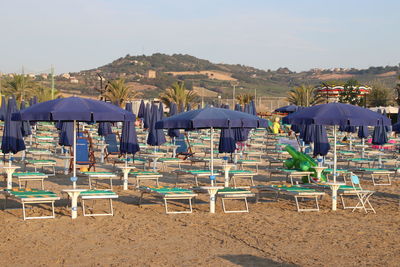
pixel 41 163
pixel 296 191
pixel 195 173
pixel 99 176
pixel 31 196
pixel 242 174
pixel 166 161
pixel 291 174
pixel 248 162
pixel 169 193
pixel 378 176
pixel 229 193
pixel 30 176
pixel 145 175
pixel 97 195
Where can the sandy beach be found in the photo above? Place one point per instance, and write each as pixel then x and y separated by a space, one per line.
pixel 271 234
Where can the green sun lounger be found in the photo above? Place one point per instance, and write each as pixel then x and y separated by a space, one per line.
pixel 98 195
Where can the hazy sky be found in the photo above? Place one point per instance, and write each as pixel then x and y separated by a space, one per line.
pixel 299 34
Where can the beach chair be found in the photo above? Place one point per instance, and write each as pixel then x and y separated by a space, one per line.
pixel 84 154
pixel 166 161
pixel 31 196
pixel 42 163
pixel 296 191
pixel 195 173
pixel 145 175
pixel 30 177
pixel 169 193
pixel 379 176
pixel 112 148
pixel 229 193
pixel 100 176
pixel 356 190
pixel 95 195
pixel 184 151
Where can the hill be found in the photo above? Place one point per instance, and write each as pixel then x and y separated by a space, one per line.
pixel 154 73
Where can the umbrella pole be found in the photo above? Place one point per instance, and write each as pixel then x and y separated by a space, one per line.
pixel 334 154
pixel 9 159
pixel 212 153
pixel 363 148
pixel 74 159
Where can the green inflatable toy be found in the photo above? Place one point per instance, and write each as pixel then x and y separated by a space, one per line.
pixel 302 162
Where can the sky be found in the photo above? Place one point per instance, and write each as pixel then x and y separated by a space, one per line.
pixel 76 35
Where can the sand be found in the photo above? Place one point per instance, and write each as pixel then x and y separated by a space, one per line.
pixel 272 234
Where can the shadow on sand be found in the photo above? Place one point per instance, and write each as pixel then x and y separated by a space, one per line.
pixel 247 260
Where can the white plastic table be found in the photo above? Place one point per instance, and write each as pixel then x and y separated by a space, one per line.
pixel 9 170
pixel 212 191
pixel 319 170
pixel 125 171
pixel 334 187
pixel 74 194
pixel 66 159
pixel 226 168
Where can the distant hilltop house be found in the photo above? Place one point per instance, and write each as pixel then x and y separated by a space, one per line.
pixel 73 80
pixel 66 75
pixel 151 74
pixel 332 92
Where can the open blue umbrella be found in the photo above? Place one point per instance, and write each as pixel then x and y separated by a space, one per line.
pixel 321 143
pixel 26 127
pixel 142 109
pixel 336 114
pixel 12 141
pixel 173 133
pixel 156 136
pixel 287 109
pixel 74 109
pixel 211 118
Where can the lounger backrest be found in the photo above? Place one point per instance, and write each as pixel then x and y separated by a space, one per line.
pixel 112 144
pixel 82 150
pixel 355 181
pixel 180 141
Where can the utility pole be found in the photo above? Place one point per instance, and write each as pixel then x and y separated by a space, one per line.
pixel 233 95
pixel 202 97
pixel 23 70
pixel 52 82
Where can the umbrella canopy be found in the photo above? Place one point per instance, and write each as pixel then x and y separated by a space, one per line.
pixel 287 109
pixel 211 117
pixel 128 142
pixel 12 141
pixel 321 143
pixel 363 132
pixel 3 109
pixel 142 109
pixel 25 127
pixel 336 114
pixel 74 109
pixel 173 111
pixel 156 136
pixel 227 143
pixel 66 136
pixel 147 116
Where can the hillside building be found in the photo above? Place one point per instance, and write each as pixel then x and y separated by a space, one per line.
pixel 332 92
pixel 151 74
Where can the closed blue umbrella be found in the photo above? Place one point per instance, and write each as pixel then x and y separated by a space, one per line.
pixel 12 141
pixel 199 106
pixel 26 127
pixel 246 108
pixel 347 128
pixel 363 132
pixel 156 137
pixel 66 136
pixel 142 109
pixel 379 135
pixel 321 143
pixel 227 143
pixel 129 143
pixel 189 107
pixel 295 128
pixel 104 128
pixel 308 135
pixel 161 111
pixel 173 132
pixel 147 116
pixel 238 107
pixel 253 108
pixel 3 109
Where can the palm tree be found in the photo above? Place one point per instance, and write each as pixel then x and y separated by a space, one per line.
pixel 304 96
pixel 117 91
pixel 44 93
pixel 20 86
pixel 380 95
pixel 244 98
pixel 179 95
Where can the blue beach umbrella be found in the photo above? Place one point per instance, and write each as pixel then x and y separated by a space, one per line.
pixel 227 143
pixel 363 132
pixel 142 109
pixel 253 108
pixel 238 107
pixel 287 109
pixel 173 133
pixel 66 136
pixel 199 106
pixel 161 111
pixel 336 114
pixel 3 109
pixel 156 137
pixel 104 128
pixel 189 107
pixel 379 135
pixel 26 127
pixel 128 142
pixel 12 141
pixel 147 116
pixel 321 143
pixel 74 109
